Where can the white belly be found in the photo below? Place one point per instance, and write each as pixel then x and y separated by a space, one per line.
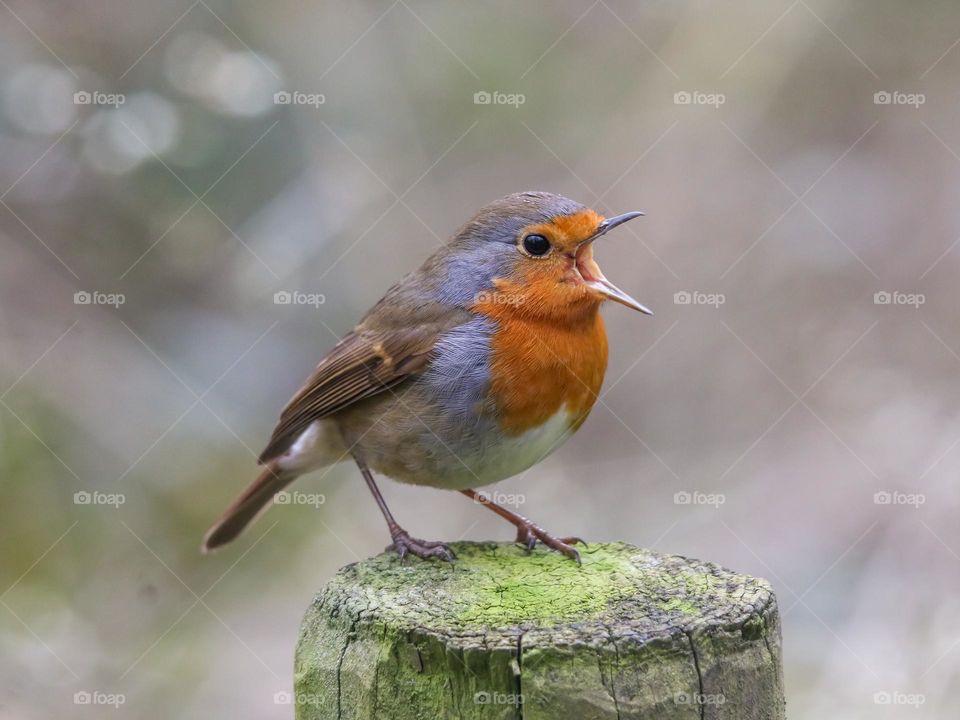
pixel 510 455
pixel 498 458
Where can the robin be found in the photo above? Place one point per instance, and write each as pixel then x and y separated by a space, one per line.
pixel 468 371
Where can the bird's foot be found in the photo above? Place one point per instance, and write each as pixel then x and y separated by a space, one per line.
pixel 403 545
pixel 529 533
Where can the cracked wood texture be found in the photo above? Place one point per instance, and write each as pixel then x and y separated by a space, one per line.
pixel 503 634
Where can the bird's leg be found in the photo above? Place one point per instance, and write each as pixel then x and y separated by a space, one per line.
pixel 528 532
pixel 403 543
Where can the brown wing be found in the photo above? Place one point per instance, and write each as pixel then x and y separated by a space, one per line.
pixel 377 355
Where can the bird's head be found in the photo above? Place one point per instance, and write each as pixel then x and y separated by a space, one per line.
pixel 533 252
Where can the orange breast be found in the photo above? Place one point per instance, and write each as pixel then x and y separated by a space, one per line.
pixel 539 365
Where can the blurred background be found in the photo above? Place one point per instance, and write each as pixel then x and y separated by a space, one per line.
pixel 196 200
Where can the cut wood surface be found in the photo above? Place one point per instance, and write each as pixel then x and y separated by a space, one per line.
pixel 503 634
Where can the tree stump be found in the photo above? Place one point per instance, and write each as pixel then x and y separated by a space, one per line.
pixel 503 634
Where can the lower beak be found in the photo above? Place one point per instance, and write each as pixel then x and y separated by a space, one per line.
pixel 612 292
pixel 591 273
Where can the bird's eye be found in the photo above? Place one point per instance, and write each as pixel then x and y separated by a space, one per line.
pixel 536 245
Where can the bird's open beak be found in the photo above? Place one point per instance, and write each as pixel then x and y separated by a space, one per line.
pixel 591 273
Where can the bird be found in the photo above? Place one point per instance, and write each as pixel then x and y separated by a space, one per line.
pixel 470 370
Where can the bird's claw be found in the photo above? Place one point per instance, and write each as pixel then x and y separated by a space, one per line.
pixel 403 544
pixel 529 534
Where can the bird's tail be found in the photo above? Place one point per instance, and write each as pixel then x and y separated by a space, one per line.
pixel 248 505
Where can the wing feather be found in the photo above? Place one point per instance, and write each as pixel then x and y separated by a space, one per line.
pixel 372 359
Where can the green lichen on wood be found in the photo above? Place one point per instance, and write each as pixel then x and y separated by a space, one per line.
pixel 504 634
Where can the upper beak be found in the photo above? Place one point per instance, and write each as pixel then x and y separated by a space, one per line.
pixel 610 223
pixel 591 271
